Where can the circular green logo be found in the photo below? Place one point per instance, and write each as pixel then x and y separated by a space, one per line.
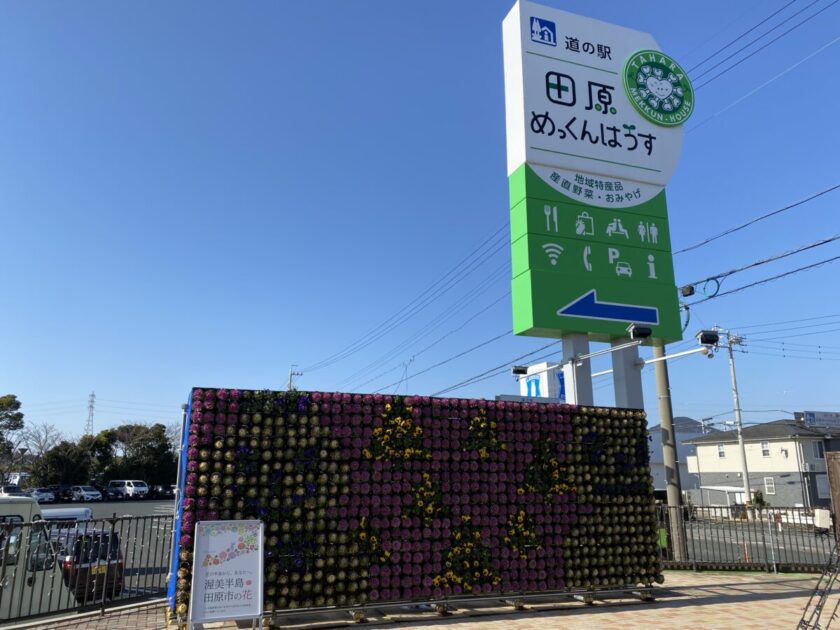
pixel 658 88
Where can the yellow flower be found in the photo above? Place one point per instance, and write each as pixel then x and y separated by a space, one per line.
pixel 388 407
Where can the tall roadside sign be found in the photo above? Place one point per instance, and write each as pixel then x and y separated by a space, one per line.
pixel 594 114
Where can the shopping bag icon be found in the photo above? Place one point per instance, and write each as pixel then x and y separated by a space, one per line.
pixel 585 225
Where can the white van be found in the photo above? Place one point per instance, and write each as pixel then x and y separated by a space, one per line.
pixel 19 510
pixel 129 488
pixel 67 514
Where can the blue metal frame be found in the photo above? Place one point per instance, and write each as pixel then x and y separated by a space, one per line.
pixel 179 509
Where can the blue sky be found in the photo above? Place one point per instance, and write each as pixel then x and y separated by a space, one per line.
pixel 201 194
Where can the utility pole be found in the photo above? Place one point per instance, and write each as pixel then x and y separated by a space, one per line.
pixel 292 374
pixel 733 340
pixel 669 453
pixel 91 408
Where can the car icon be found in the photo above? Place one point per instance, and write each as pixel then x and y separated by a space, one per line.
pixel 623 269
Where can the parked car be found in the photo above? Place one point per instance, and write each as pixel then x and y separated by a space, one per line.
pixel 42 495
pixel 130 488
pixel 62 492
pixel 162 492
pixel 85 493
pixel 108 494
pixel 92 565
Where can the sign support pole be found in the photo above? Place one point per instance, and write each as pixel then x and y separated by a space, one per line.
pixel 578 378
pixel 669 453
pixel 627 375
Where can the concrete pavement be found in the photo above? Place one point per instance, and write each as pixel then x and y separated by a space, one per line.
pixel 715 600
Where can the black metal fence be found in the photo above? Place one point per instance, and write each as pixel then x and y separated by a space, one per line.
pixel 771 539
pixel 53 566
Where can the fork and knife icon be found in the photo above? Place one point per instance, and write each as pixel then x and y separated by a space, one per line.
pixel 549 212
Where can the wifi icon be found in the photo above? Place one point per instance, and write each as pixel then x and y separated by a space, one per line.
pixel 553 250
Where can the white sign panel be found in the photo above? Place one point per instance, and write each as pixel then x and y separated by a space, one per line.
pixel 822 418
pixel 567 107
pixel 227 579
pixel 543 380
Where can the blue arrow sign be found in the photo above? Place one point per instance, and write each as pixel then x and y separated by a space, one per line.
pixel 587 305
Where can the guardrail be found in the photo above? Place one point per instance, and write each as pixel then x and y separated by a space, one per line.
pixel 54 566
pixel 771 539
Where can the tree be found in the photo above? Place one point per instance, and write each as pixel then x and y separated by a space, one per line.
pixel 65 463
pixel 173 434
pixel 11 420
pixel 38 438
pixel 132 451
pixel 99 450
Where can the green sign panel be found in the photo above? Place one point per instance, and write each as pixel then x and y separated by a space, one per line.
pixel 594 130
pixel 580 268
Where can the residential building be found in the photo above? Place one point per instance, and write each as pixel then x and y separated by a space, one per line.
pixel 685 429
pixel 785 460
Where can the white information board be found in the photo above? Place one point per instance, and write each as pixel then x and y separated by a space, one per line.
pixel 570 86
pixel 227 578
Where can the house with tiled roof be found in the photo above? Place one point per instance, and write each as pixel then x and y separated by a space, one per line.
pixel 785 460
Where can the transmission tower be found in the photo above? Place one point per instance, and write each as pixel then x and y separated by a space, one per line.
pixel 91 408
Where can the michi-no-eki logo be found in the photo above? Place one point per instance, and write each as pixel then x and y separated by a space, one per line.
pixel 658 88
pixel 543 31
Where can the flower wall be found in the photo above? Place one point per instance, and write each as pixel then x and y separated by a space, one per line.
pixel 373 498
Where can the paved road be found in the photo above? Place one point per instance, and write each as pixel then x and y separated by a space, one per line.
pixel 120 508
pixel 736 542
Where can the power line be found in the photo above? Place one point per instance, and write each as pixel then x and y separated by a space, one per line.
pixel 766 280
pixel 789 328
pixel 762 36
pixel 788 321
pixel 818 332
pixel 772 41
pixel 138 404
pixel 741 36
pixel 386 327
pixel 763 85
pixel 437 341
pixel 786 343
pixel 394 319
pixel 720 276
pixel 506 364
pixel 757 219
pixel 790 356
pixel 688 54
pixel 450 359
pixel 436 322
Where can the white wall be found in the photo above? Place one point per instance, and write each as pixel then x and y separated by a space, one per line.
pixel 782 457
